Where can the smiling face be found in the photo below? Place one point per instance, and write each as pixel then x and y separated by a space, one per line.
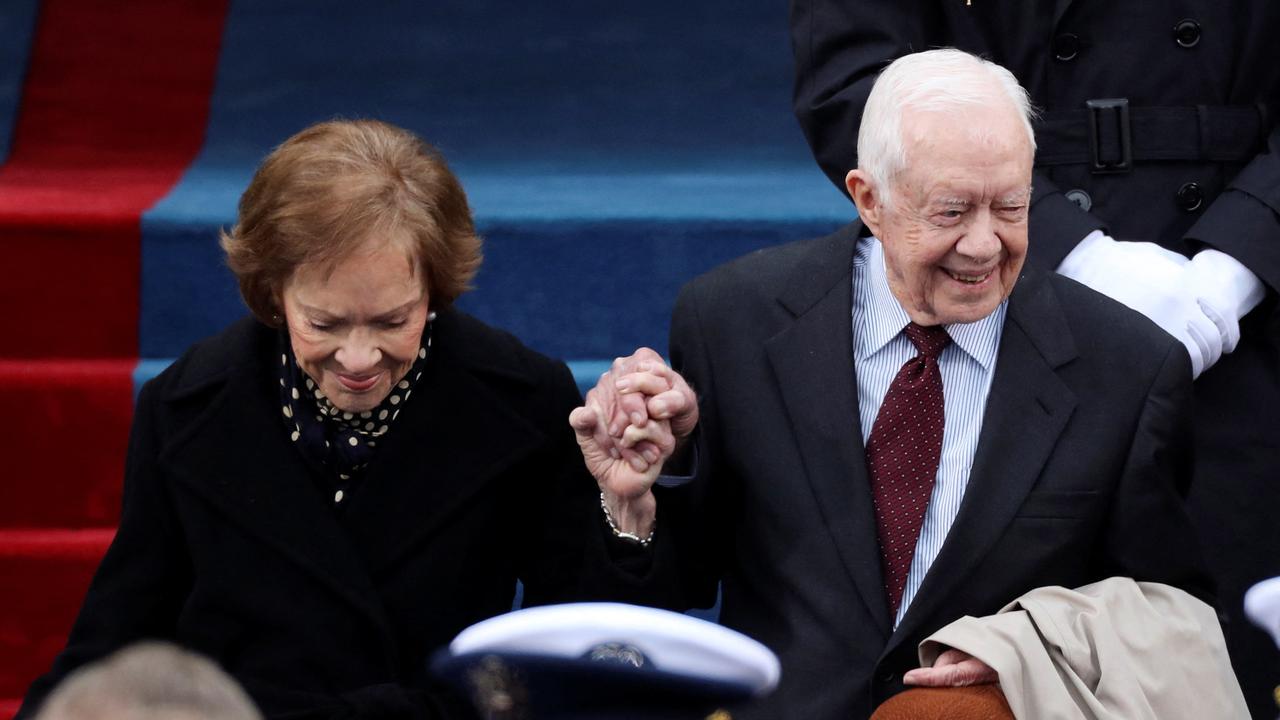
pixel 356 324
pixel 955 233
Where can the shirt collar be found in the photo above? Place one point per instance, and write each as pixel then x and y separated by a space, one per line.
pixel 884 317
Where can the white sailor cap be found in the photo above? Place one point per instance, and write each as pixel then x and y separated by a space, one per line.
pixel 605 660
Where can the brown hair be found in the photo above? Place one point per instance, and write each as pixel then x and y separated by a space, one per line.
pixel 330 187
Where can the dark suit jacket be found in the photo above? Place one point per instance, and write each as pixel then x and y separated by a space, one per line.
pixel 228 545
pixel 1074 479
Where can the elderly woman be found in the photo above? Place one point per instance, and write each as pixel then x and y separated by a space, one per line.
pixel 325 493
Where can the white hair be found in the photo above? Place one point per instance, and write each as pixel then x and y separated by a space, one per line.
pixel 931 81
pixel 149 681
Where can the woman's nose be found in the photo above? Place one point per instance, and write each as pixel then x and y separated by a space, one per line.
pixel 359 353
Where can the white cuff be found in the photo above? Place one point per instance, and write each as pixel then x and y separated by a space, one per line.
pixel 1073 265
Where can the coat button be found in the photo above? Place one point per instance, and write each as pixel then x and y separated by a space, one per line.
pixel 1189 197
pixel 1080 198
pixel 1066 46
pixel 1187 33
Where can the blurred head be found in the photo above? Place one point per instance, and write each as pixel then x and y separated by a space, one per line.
pixel 348 235
pixel 149 681
pixel 945 153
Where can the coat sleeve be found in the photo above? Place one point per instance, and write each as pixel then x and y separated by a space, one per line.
pixel 142 582
pixel 558 503
pixel 839 49
pixel 1148 535
pixel 1244 221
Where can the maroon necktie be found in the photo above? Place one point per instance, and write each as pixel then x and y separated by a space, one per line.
pixel 903 452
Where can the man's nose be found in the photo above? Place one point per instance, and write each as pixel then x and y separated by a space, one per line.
pixel 980 241
pixel 359 352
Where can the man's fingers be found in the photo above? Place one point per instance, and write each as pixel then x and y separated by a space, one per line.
pixel 953 668
pixel 643 382
pixel 630 410
pixel 669 404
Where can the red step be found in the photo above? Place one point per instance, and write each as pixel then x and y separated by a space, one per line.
pixel 43 578
pixel 113 109
pixel 70 420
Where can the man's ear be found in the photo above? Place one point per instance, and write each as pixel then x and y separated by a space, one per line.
pixel 866 196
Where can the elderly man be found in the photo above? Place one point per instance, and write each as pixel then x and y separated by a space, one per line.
pixel 897 425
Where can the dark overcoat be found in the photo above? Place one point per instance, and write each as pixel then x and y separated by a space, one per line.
pixel 230 546
pixel 1199 82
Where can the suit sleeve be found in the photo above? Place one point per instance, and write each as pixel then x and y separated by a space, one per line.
pixel 839 49
pixel 138 589
pixel 1149 536
pixel 693 515
pixel 1244 221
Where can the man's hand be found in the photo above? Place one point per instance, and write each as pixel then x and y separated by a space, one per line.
pixel 1155 282
pixel 664 395
pixel 953 668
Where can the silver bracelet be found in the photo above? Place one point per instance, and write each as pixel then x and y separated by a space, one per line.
pixel 630 537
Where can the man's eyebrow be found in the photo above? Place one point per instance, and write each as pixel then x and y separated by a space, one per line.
pixel 1015 197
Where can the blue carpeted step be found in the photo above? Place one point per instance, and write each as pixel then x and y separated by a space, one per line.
pixel 573 288
pixel 610 152
pixel 17 27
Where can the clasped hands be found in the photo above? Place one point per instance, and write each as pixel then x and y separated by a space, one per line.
pixel 633 420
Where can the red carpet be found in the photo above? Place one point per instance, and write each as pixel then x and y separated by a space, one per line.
pixel 113 110
pixel 43 577
pixel 70 418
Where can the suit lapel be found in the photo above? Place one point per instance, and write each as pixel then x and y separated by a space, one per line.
pixel 813 361
pixel 237 457
pixel 1027 409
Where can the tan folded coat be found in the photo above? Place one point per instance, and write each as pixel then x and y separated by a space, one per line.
pixel 1112 650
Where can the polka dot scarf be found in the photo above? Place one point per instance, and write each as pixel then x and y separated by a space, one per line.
pixel 338 444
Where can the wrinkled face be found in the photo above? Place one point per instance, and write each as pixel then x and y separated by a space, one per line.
pixel 356 324
pixel 955 231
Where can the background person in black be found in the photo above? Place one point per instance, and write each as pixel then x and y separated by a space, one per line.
pixel 1198 86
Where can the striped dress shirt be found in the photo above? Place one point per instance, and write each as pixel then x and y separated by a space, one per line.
pixel 967 365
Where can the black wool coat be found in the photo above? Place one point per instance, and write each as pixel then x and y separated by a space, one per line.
pixel 229 546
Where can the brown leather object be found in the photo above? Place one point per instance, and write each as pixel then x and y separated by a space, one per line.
pixel 975 702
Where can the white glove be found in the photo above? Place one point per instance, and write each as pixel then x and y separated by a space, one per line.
pixel 1151 280
pixel 1225 290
